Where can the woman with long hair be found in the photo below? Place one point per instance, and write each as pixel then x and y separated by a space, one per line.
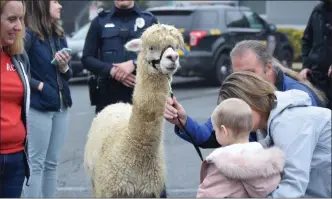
pixel 288 121
pixel 50 95
pixel 15 96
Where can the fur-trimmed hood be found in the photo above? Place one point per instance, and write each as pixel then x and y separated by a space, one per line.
pixel 241 171
pixel 248 164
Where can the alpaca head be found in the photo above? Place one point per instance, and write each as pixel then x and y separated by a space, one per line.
pixel 159 45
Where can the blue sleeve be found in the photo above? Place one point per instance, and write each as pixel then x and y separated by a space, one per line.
pixel 313 100
pixel 91 49
pixel 310 92
pixel 203 134
pixel 290 84
pixel 200 132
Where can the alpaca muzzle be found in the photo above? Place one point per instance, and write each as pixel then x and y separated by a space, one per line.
pixel 157 61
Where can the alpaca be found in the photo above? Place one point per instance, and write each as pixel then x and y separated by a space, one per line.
pixel 124 152
pixel 295 75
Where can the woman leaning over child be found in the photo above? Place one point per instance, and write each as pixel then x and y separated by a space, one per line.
pixel 15 97
pixel 50 95
pixel 240 169
pixel 289 122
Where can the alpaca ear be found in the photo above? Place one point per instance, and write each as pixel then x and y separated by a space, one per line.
pixel 134 45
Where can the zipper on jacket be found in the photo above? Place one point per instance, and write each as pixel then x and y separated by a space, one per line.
pixel 26 110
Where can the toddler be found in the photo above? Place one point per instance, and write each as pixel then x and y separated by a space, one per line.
pixel 239 169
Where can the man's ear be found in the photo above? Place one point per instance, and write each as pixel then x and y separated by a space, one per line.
pixel 134 45
pixel 269 68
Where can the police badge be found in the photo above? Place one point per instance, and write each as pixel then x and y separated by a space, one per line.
pixel 140 23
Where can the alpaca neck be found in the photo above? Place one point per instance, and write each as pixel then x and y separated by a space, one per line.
pixel 149 99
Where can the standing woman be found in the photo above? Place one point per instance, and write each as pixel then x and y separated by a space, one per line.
pixel 14 100
pixel 50 95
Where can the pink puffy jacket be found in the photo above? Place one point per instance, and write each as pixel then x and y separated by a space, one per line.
pixel 241 175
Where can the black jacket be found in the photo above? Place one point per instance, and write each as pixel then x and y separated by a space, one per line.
pixel 316 42
pixel 40 55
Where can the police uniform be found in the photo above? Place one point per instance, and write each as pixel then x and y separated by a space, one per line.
pixel 104 45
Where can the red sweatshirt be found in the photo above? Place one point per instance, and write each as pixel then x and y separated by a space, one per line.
pixel 12 131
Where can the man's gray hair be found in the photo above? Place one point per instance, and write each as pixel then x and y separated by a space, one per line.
pixel 261 50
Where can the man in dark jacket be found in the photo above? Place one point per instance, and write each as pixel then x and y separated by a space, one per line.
pixel 317 48
pixel 248 55
pixel 105 56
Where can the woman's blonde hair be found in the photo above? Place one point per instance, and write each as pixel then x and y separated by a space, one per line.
pixel 251 88
pixel 18 46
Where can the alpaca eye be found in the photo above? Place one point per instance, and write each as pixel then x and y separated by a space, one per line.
pixel 151 48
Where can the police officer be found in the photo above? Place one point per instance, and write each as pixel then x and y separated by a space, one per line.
pixel 104 54
pixel 317 49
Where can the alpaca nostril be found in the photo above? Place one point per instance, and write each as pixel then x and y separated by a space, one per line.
pixel 172 57
pixel 175 57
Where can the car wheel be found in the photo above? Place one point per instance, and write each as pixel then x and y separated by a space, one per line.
pixel 287 58
pixel 223 68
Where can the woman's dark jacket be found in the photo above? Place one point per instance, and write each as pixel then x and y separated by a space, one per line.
pixel 40 55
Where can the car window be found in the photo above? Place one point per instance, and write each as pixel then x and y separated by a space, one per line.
pixel 206 20
pixel 81 33
pixel 235 19
pixel 254 21
pixel 178 18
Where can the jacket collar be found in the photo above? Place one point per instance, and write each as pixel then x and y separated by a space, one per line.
pixel 250 163
pixel 279 80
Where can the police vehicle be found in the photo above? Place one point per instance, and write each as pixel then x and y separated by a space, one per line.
pixel 211 31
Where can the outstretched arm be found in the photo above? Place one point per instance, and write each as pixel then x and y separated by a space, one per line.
pixel 202 133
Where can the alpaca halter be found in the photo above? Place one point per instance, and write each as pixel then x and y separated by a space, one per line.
pixel 157 61
pixel 154 62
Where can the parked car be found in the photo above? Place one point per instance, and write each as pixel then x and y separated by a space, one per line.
pixel 76 43
pixel 211 31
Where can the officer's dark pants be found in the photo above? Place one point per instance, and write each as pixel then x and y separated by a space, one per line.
pixel 111 92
